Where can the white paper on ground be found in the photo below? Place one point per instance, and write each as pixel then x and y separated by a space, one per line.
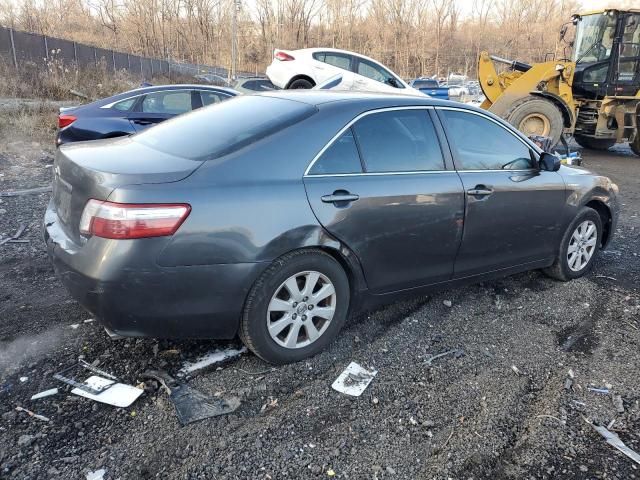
pixel 118 395
pixel 210 358
pixel 353 380
pixel 97 475
pixel 613 440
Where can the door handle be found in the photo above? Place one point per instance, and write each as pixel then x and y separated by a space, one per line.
pixel 142 122
pixel 480 191
pixel 340 197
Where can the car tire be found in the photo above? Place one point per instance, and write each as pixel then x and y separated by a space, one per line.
pixel 301 332
pixel 537 116
pixel 575 238
pixel 600 144
pixel 301 83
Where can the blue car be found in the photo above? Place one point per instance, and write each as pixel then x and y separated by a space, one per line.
pixel 431 87
pixel 135 110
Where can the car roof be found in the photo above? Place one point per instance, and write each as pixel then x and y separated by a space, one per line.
pixel 377 100
pixel 337 50
pixel 179 86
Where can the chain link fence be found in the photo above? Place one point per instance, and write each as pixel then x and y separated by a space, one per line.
pixel 23 47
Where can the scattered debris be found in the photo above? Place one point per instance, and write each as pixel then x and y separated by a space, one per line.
pixel 190 404
pixel 15 236
pixel 615 442
pixel 110 392
pixel 23 379
pixel 74 326
pixel 209 359
pixel 563 422
pixel 331 473
pixel 96 475
pixel 89 320
pixel 46 393
pixel 62 377
pixel 457 353
pixel 605 276
pixel 516 370
pixel 31 414
pixel 617 403
pixel 447 303
pixel 28 191
pixel 270 405
pixel 602 391
pixel 353 380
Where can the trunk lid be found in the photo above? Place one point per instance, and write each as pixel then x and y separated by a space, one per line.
pixel 94 169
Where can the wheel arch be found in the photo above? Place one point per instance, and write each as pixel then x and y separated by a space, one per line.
pixel 567 114
pixel 603 210
pixel 301 76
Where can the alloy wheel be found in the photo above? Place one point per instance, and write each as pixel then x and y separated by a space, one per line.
pixel 582 245
pixel 301 309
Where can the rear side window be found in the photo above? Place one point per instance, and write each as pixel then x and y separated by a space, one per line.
pixel 208 133
pixel 399 141
pixel 481 144
pixel 125 105
pixel 335 59
pixel 171 102
pixel 341 157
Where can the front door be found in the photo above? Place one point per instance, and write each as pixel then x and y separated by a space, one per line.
pixel 513 210
pixel 383 190
pixel 159 106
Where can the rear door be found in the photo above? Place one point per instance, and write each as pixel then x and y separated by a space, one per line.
pixel 383 188
pixel 159 106
pixel 513 210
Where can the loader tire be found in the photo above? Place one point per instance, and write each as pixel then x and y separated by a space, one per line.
pixel 635 145
pixel 537 116
pixel 594 143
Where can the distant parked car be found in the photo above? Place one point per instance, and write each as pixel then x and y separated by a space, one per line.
pixel 431 87
pixel 133 111
pixel 251 85
pixel 213 79
pixel 309 67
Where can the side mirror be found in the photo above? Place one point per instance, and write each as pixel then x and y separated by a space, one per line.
pixel 392 81
pixel 549 162
pixel 563 31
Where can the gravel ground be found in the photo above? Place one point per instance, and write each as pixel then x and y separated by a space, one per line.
pixel 468 415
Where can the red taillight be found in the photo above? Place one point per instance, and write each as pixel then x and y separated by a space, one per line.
pixel 65 120
pixel 283 57
pixel 132 220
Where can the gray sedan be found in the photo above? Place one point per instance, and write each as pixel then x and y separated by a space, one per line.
pixel 277 216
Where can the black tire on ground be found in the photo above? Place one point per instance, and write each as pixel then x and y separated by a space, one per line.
pixel 594 143
pixel 560 269
pixel 537 116
pixel 301 83
pixel 253 324
pixel 635 145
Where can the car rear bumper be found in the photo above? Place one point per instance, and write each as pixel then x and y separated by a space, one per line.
pixel 279 74
pixel 120 283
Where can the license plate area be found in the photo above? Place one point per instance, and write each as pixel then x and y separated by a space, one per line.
pixel 62 198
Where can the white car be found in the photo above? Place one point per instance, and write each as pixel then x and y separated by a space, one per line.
pixel 309 67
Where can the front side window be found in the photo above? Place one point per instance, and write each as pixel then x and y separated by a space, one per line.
pixel 209 98
pixel 376 72
pixel 481 144
pixel 170 102
pixel 341 157
pixel 398 141
pixel 629 64
pixel 594 38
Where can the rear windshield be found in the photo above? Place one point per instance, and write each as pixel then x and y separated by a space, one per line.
pixel 224 127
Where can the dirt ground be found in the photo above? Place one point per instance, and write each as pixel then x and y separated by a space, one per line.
pixel 469 415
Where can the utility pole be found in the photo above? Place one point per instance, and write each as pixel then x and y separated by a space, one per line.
pixel 234 38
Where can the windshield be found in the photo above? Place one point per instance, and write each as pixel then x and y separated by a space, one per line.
pixel 594 38
pixel 224 127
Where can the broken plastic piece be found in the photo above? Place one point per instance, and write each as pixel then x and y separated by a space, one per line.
pixel 615 442
pixel 603 391
pixel 46 393
pixel 211 358
pixel 353 380
pixel 116 394
pixel 190 404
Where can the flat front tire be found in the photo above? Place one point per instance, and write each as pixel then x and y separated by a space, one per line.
pixel 296 307
pixel 579 247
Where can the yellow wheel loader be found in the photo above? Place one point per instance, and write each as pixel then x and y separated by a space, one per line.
pixel 594 96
